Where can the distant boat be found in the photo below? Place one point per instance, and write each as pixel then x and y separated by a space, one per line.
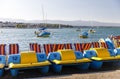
pixel 91 31
pixel 42 31
pixel 81 36
pixel 43 34
pixel 84 35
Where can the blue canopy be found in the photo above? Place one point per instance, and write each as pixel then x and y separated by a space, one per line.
pixel 85 33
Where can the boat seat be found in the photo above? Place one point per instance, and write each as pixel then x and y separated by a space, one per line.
pixel 14 58
pixel 84 60
pixel 103 55
pixel 28 59
pixel 26 65
pixel 101 52
pixel 67 56
pixel 2 59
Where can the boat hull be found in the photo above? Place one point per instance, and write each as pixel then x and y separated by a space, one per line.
pixel 44 34
pixel 91 31
pixel 83 36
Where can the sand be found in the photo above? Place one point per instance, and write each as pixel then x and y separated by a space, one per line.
pixel 106 72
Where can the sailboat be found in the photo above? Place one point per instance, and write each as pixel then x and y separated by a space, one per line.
pixel 91 31
pixel 84 35
pixel 43 32
pixel 59 26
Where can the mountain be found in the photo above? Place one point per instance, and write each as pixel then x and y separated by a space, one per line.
pixel 74 23
pixel 83 23
pixel 11 20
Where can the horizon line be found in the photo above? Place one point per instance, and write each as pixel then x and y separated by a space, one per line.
pixel 52 20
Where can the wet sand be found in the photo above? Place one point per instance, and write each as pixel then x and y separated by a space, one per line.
pixel 106 72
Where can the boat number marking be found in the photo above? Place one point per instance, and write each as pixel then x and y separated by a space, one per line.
pixel 78 54
pixel 41 56
pixel 55 55
pixel 14 58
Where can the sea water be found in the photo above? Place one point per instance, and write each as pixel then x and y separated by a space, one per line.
pixel 65 35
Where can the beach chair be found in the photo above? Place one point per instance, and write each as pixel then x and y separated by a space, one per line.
pixel 35 47
pixel 67 57
pixel 78 47
pixel 95 45
pixel 47 48
pixel 86 46
pixel 56 47
pixel 2 58
pixel 28 60
pixel 82 46
pixel 68 46
pixel 101 55
pixel 13 49
pixel 107 43
pixel 99 45
pixel 103 43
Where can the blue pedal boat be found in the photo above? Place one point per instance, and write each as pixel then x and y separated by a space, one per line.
pixel 67 57
pixel 28 60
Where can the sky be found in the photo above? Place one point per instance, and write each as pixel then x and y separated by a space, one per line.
pixel 68 10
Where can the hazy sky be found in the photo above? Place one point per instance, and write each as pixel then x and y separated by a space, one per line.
pixel 97 10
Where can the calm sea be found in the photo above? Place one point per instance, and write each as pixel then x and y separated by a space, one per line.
pixel 66 35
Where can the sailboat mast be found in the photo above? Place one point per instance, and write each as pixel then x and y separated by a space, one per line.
pixel 43 16
pixel 59 26
pixel 46 20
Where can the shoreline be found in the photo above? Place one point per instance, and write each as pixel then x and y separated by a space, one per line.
pixel 77 27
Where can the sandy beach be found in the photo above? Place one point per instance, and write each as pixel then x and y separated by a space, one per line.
pixel 108 71
pixel 96 75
